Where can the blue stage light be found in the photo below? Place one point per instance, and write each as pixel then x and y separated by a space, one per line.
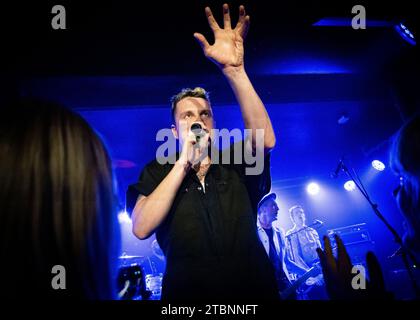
pixel 378 165
pixel 313 188
pixel 350 185
pixel 123 217
pixel 405 33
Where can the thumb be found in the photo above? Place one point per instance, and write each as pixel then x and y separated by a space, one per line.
pixel 202 41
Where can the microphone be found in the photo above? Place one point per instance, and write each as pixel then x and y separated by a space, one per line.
pixel 337 170
pixel 197 129
pixel 318 222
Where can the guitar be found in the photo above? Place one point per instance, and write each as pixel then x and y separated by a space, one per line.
pixel 312 272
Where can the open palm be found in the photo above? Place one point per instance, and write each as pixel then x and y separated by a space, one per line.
pixel 228 49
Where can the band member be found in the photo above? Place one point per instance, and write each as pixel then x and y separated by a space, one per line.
pixel 302 244
pixel 204 213
pixel 303 240
pixel 404 156
pixel 274 243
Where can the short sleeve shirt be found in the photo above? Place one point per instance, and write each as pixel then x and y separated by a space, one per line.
pixel 209 237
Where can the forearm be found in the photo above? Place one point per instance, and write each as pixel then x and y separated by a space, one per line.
pixel 254 114
pixel 150 211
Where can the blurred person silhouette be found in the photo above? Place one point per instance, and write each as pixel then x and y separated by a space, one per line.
pixel 57 205
pixel 405 162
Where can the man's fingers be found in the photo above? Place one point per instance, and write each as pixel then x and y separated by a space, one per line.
pixel 343 258
pixel 243 22
pixel 322 258
pixel 210 18
pixel 226 17
pixel 326 271
pixel 329 256
pixel 376 278
pixel 202 41
pixel 245 27
pixel 242 14
pixel 327 248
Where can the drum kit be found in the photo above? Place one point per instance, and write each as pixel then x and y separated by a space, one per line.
pixel 133 283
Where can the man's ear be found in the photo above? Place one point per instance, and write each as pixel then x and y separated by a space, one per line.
pixel 174 131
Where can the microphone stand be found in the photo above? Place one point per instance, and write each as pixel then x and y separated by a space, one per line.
pixel 404 252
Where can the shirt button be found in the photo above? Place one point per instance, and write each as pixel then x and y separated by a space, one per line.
pixel 199 188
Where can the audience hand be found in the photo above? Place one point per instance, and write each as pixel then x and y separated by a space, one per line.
pixel 338 274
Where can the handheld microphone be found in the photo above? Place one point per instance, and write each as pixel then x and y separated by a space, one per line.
pixel 337 170
pixel 197 129
pixel 318 222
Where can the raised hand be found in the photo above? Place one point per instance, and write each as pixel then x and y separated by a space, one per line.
pixel 228 49
pixel 338 274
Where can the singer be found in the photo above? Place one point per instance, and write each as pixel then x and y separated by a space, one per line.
pixel 203 213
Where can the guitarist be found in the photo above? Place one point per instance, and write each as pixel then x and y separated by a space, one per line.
pixel 274 243
pixel 302 242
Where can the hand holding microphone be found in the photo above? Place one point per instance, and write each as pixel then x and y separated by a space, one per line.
pixel 198 131
pixel 195 146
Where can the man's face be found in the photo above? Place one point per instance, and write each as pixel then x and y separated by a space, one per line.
pixel 299 217
pixel 269 212
pixel 191 110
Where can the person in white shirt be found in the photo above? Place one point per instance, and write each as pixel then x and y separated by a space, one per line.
pixel 302 240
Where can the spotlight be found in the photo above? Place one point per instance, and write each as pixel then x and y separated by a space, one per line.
pixel 123 217
pixel 405 33
pixel 350 185
pixel 378 165
pixel 313 188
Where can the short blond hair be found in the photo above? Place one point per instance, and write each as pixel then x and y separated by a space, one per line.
pixel 197 92
pixel 292 209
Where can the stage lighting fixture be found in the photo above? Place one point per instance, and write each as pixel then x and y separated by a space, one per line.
pixel 378 165
pixel 350 185
pixel 313 188
pixel 405 33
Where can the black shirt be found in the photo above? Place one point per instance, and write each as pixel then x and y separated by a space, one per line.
pixel 210 238
pixel 272 252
